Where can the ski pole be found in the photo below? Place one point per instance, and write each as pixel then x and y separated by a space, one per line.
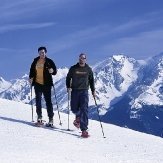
pixel 99 117
pixel 57 105
pixel 32 104
pixel 68 109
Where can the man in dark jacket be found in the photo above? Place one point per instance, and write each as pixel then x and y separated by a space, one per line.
pixel 40 76
pixel 79 78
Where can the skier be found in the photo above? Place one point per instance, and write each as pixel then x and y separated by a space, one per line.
pixel 40 76
pixel 78 80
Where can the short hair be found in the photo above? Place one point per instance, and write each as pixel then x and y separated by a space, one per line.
pixel 42 48
pixel 82 54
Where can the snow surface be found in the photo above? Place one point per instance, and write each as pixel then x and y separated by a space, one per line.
pixel 21 142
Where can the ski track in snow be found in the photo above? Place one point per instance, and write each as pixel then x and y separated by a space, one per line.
pixel 21 142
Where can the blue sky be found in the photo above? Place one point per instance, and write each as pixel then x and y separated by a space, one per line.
pixel 100 28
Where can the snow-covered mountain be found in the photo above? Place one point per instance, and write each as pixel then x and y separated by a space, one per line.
pixel 4 85
pixel 113 77
pixel 142 106
pixel 21 141
pixel 149 84
pixel 20 89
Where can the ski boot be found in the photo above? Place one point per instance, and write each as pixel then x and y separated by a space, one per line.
pixel 50 123
pixel 39 122
pixel 85 134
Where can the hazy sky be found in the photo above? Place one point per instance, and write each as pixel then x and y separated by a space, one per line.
pixel 99 28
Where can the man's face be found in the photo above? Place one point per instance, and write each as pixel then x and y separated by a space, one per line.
pixel 42 54
pixel 82 59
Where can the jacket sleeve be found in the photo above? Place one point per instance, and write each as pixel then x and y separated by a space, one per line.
pixel 32 70
pixel 53 66
pixel 69 78
pixel 91 80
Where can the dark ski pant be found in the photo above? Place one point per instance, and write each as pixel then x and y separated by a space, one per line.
pixel 46 91
pixel 79 106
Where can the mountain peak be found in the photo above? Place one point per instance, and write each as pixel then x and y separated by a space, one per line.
pixel 4 85
pixel 119 57
pixel 1 79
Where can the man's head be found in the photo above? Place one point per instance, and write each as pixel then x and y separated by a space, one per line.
pixel 82 59
pixel 42 52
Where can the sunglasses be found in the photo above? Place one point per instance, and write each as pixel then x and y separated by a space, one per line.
pixel 82 57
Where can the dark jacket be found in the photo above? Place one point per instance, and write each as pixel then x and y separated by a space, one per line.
pixel 47 76
pixel 80 78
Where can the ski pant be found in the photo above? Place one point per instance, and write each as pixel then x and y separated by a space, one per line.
pixel 46 91
pixel 79 106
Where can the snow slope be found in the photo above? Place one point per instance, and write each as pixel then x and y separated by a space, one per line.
pixel 20 142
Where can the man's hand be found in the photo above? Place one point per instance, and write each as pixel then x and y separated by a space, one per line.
pixel 30 80
pixel 69 90
pixel 51 70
